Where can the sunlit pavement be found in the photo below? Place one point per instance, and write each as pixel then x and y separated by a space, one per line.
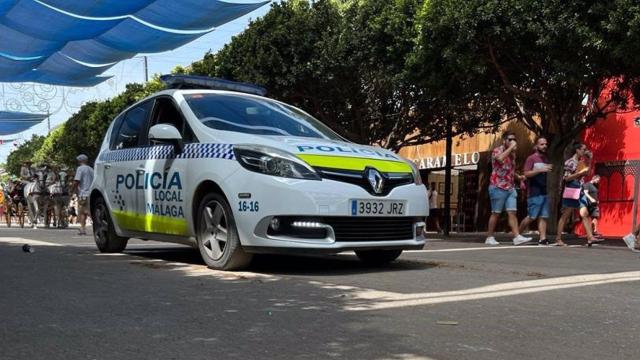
pixel 452 300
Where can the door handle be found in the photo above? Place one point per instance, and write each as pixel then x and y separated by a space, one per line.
pixel 107 166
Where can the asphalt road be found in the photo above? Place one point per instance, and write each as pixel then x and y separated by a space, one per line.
pixel 452 300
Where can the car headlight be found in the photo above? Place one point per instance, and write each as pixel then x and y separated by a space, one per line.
pixel 274 162
pixel 417 179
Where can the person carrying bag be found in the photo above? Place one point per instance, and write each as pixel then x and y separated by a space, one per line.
pixel 575 169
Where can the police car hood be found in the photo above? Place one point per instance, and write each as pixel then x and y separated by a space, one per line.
pixel 334 154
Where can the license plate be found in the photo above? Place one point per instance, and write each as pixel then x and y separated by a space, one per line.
pixel 378 207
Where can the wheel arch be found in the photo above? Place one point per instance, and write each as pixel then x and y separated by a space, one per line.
pixel 93 197
pixel 95 194
pixel 204 188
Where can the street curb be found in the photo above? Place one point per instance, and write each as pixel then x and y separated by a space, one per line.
pixel 570 239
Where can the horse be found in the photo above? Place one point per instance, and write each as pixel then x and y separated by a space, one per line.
pixel 35 192
pixel 59 195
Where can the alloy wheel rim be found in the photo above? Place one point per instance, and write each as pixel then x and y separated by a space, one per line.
pixel 214 230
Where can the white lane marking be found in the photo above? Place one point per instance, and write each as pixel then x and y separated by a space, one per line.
pixel 192 270
pixel 359 299
pixel 22 241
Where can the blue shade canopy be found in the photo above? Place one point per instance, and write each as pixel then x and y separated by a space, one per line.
pixel 71 42
pixel 12 122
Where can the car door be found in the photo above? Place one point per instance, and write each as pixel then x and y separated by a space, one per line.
pixel 124 168
pixel 164 197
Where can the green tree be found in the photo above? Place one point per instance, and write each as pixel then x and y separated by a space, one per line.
pixel 288 51
pixel 84 131
pixel 557 66
pixel 51 149
pixel 345 62
pixel 22 153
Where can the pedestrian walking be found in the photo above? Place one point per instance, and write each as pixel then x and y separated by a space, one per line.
pixel 573 197
pixel 633 239
pixel 536 168
pixel 590 189
pixel 81 187
pixel 434 209
pixel 502 188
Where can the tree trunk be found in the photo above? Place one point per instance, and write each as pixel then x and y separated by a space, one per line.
pixel 556 156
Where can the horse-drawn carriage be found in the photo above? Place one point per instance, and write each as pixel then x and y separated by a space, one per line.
pixel 41 194
pixel 47 197
pixel 15 204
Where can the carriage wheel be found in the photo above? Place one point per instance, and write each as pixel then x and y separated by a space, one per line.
pixel 21 215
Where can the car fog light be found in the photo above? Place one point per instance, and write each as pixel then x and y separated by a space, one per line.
pixel 306 224
pixel 275 224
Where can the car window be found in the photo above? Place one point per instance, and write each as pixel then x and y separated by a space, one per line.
pixel 114 131
pixel 166 112
pixel 132 122
pixel 252 115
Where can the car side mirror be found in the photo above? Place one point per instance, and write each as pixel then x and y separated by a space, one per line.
pixel 167 134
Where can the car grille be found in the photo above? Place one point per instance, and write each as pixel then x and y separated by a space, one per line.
pixel 371 228
pixel 358 178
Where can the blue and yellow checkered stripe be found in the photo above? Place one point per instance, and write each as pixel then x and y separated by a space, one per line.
pixel 159 152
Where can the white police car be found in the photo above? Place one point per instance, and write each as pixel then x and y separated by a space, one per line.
pixel 234 173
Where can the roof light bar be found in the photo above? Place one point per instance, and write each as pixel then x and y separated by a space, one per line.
pixel 204 82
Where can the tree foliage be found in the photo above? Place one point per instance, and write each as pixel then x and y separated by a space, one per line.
pixel 557 66
pixel 540 60
pixel 23 153
pixel 392 72
pixel 288 51
pixel 345 62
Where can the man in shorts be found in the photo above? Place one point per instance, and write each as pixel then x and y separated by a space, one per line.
pixel 502 190
pixel 536 168
pixel 82 186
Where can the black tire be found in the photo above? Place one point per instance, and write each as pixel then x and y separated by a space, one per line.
pixel 378 257
pixel 217 235
pixel 104 233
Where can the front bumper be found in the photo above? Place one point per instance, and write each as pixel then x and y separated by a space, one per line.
pixel 317 202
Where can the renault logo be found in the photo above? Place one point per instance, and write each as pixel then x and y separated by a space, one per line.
pixel 375 179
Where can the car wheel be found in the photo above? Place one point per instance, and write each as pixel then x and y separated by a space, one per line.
pixel 378 257
pixel 217 235
pixel 104 232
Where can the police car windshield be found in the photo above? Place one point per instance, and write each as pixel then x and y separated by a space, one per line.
pixel 258 116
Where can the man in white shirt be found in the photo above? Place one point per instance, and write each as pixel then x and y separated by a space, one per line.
pixel 82 186
pixel 434 210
